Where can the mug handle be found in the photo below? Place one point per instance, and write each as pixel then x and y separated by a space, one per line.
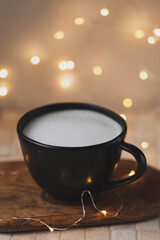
pixel 141 165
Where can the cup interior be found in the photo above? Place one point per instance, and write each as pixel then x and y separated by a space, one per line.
pixel 71 125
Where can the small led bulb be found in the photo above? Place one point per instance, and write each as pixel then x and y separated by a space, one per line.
pixel 59 35
pixel 151 40
pixel 97 70
pixel 145 145
pixel 89 180
pixel 79 21
pixel 104 212
pixel 65 83
pixel 70 65
pixel 156 31
pixel 35 60
pixel 132 172
pixel 139 34
pixel 3 73
pixel 63 65
pixel 3 91
pixel 51 229
pixel 143 75
pixel 127 102
pixel 104 11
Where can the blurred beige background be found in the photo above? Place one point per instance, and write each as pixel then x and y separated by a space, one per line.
pixel 28 28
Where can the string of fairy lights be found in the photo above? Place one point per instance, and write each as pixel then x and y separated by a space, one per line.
pixel 69 64
pixel 105 213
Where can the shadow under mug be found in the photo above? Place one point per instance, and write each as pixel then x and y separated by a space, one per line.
pixel 64 172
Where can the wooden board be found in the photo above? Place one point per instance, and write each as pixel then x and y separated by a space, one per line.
pixel 21 197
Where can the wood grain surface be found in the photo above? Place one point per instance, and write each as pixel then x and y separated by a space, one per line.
pixel 21 197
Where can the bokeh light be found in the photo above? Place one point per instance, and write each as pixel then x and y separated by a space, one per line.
pixel 143 75
pixel 139 34
pixel 79 21
pixel 70 65
pixel 63 65
pixel 3 91
pixel 35 60
pixel 65 83
pixel 59 35
pixel 156 31
pixel 97 70
pixel 145 144
pixel 127 102
pixel 151 40
pixel 89 180
pixel 3 73
pixel 104 11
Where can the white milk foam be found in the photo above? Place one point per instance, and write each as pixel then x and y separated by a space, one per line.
pixel 72 128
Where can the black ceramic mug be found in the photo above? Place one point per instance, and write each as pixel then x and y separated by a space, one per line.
pixel 64 172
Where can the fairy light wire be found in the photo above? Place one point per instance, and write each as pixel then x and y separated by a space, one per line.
pixel 104 212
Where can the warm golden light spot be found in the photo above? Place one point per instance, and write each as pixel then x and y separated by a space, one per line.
pixel 51 229
pixel 151 40
pixel 115 167
pixel 139 34
pixel 65 83
pixel 156 31
pixel 145 145
pixel 97 70
pixel 143 75
pixel 132 172
pixel 104 11
pixel 63 65
pixel 89 180
pixel 127 102
pixel 3 91
pixel 35 60
pixel 123 116
pixel 70 65
pixel 3 73
pixel 59 35
pixel 104 212
pixel 79 21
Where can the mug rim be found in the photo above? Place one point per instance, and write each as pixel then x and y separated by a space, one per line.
pixel 70 106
